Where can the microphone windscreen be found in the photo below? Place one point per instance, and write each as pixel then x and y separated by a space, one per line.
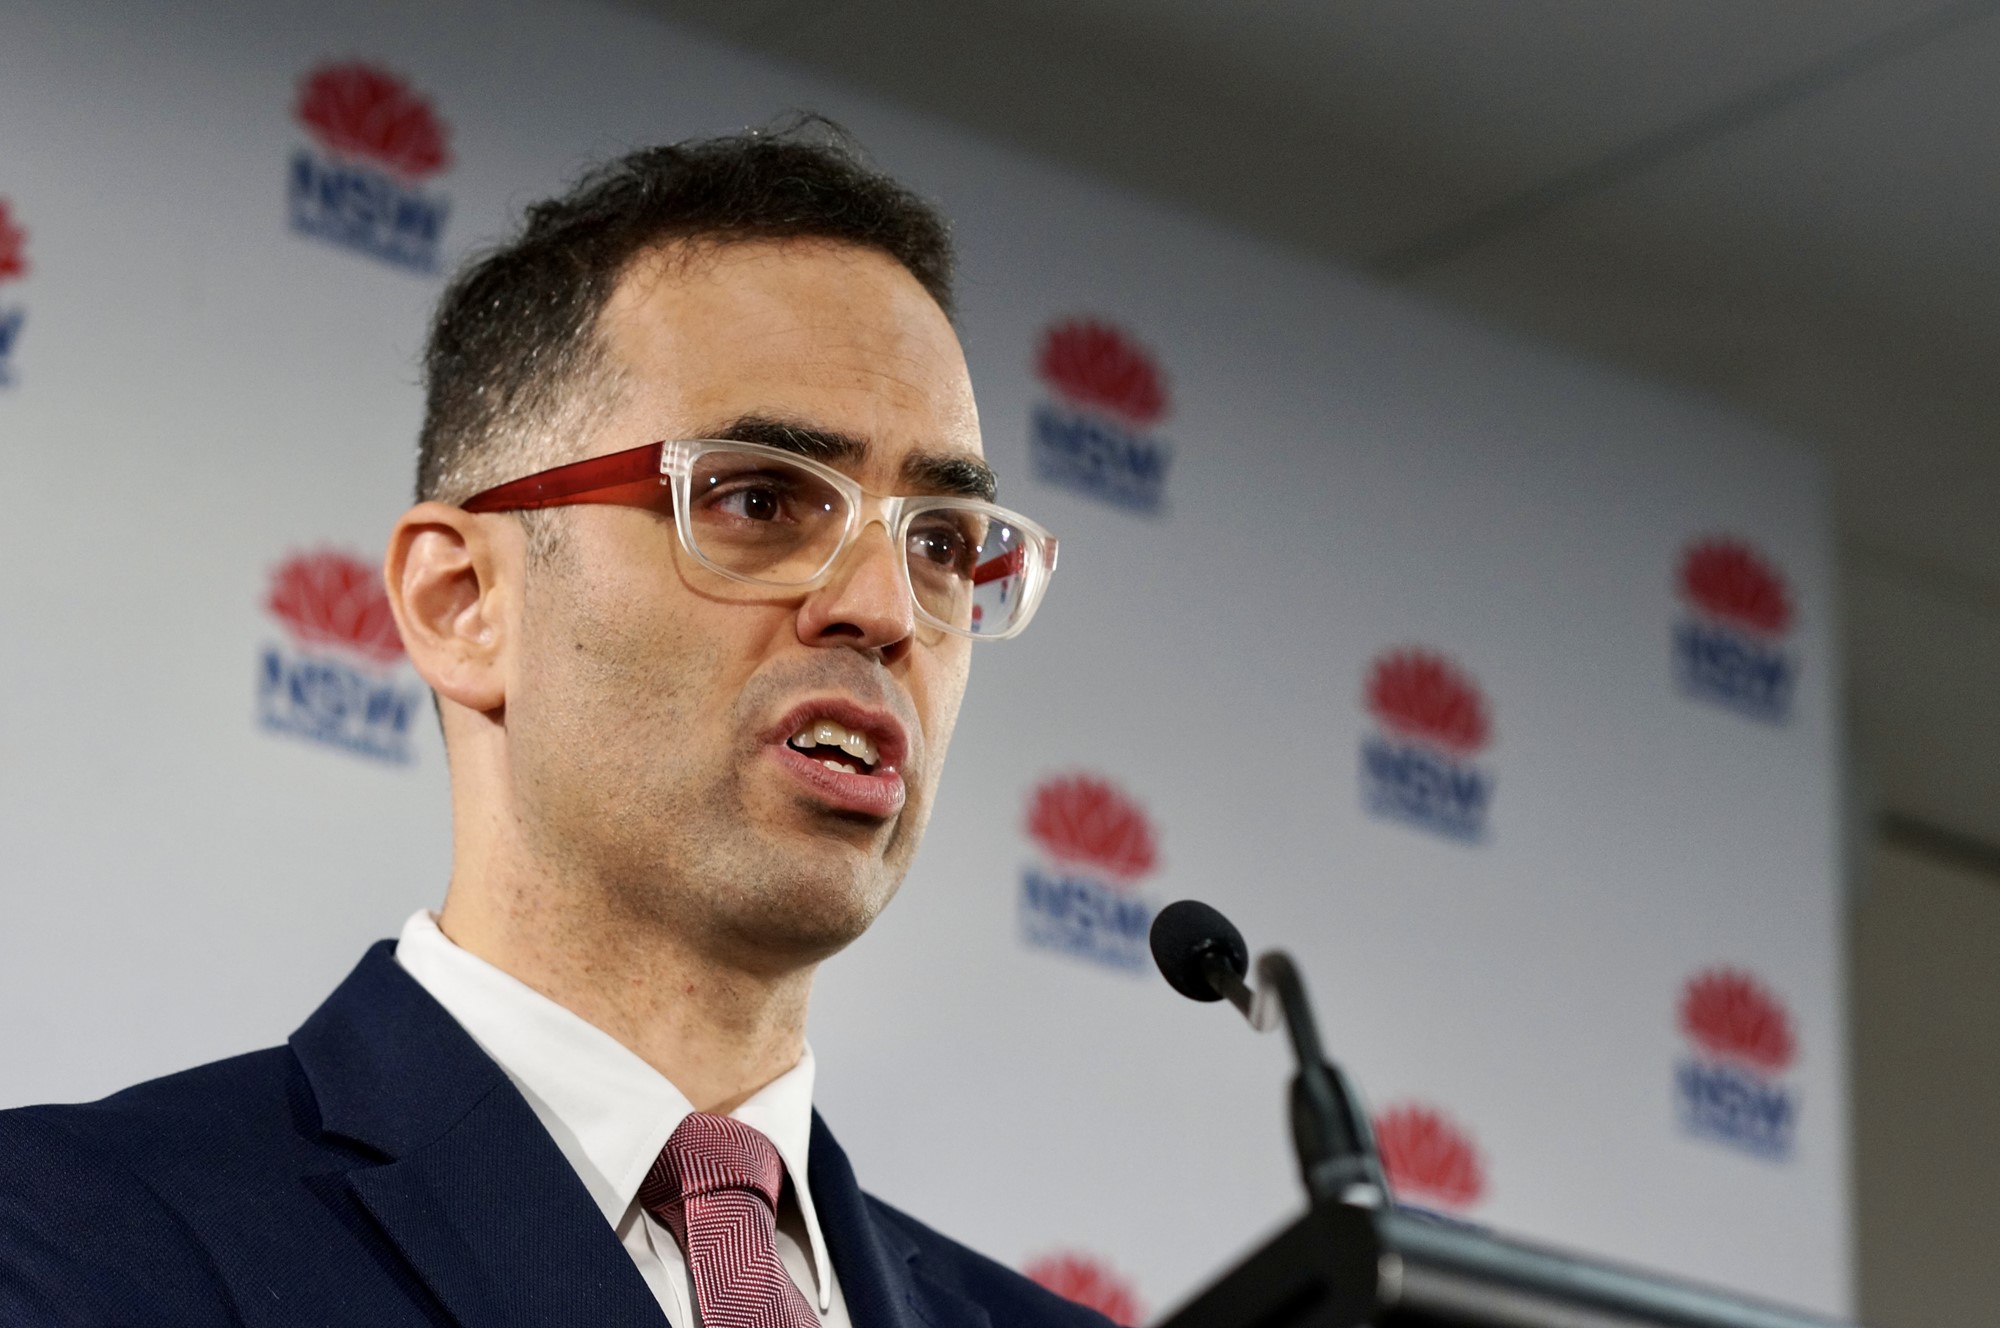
pixel 1184 935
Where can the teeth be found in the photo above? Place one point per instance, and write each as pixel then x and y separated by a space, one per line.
pixel 841 766
pixel 826 733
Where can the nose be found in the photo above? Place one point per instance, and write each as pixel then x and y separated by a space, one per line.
pixel 865 601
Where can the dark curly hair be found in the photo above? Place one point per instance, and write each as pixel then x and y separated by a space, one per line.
pixel 514 368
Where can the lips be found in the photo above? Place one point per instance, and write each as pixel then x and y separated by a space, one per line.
pixel 846 756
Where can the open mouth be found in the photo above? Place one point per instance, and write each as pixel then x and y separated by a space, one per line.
pixel 846 757
pixel 837 747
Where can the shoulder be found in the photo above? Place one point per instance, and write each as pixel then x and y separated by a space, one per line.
pixel 94 1221
pixel 164 1129
pixel 1010 1298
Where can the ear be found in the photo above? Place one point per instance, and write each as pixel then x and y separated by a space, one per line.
pixel 447 584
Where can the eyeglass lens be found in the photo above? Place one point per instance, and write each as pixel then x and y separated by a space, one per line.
pixel 758 517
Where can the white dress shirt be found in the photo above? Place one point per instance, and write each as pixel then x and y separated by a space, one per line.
pixel 610 1113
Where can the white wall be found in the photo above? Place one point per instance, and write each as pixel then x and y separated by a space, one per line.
pixel 199 392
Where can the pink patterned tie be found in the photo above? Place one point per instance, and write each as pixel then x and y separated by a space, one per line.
pixel 715 1186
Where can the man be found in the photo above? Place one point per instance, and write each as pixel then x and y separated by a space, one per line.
pixel 703 545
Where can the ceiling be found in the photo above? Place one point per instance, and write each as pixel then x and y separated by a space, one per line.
pixel 1788 204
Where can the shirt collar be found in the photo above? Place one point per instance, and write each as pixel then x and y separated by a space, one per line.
pixel 607 1110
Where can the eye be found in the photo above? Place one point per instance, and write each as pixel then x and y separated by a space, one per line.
pixel 752 502
pixel 756 497
pixel 943 543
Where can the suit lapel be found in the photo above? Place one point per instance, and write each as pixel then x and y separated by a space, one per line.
pixel 473 1193
pixel 881 1270
pixel 500 1229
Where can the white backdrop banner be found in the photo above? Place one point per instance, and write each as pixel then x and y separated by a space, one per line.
pixel 1498 689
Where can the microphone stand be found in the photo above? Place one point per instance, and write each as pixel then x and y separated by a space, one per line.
pixel 1330 1131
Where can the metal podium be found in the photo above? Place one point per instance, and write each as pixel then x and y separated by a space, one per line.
pixel 1342 1265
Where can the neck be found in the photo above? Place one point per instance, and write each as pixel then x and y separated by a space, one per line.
pixel 717 1031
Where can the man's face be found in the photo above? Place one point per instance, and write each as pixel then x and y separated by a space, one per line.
pixel 650 701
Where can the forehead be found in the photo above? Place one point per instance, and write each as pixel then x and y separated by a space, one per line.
pixel 818 332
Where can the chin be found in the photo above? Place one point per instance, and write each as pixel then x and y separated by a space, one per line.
pixel 770 898
pixel 778 942
pixel 803 917
pixel 833 915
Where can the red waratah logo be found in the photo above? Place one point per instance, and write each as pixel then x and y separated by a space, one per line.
pixel 357 110
pixel 13 246
pixel 1095 364
pixel 1087 821
pixel 1427 1159
pixel 330 599
pixel 1729 1015
pixel 1088 1282
pixel 1420 694
pixel 1727 579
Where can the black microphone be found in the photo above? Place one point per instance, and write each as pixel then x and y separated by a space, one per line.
pixel 1202 956
pixel 1190 942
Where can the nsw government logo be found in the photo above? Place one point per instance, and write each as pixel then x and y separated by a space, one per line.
pixel 1095 433
pixel 13 266
pixel 374 141
pixel 337 680
pixel 1083 897
pixel 1418 766
pixel 1729 645
pixel 1428 1159
pixel 1090 1282
pixel 1730 1087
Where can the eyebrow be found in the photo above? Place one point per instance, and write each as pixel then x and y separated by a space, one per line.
pixel 949 473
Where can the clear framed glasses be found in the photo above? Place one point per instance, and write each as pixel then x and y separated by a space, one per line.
pixel 773 518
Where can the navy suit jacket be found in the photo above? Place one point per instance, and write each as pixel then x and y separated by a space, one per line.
pixel 381 1170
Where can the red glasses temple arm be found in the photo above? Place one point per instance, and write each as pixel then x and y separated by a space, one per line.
pixel 1007 564
pixel 631 477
